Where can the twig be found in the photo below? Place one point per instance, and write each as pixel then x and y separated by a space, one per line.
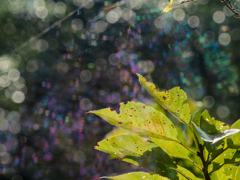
pixel 186 1
pixel 228 3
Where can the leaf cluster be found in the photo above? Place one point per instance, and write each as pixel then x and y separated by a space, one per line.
pixel 199 147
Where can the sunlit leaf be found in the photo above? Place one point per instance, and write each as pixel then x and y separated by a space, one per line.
pixel 234 141
pixel 186 174
pixel 137 176
pixel 171 100
pixel 138 151
pixel 172 148
pixel 210 125
pixel 227 172
pixel 117 131
pixel 167 8
pixel 125 145
pixel 137 117
pixel 225 157
pixel 196 119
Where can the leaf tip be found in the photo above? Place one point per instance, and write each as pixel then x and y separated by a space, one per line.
pixel 166 9
pixel 89 112
pixel 139 75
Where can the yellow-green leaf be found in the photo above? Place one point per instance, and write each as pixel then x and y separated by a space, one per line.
pixel 228 156
pixel 140 152
pixel 171 100
pixel 137 176
pixel 186 174
pixel 137 117
pixel 167 8
pixel 172 148
pixel 125 145
pixel 227 172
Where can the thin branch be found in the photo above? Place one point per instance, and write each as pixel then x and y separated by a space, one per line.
pixel 228 3
pixel 186 1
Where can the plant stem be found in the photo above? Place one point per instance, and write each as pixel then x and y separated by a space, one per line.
pixel 205 163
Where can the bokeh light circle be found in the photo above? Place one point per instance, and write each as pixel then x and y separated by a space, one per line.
pixel 219 17
pixel 62 68
pixel 227 11
pixel 77 24
pixel 114 97
pixel 224 39
pixel 113 59
pixel 179 14
pixel 32 65
pixel 93 36
pixel 42 12
pixel 101 64
pixel 101 26
pixel 112 73
pixel 129 15
pixel 6 158
pixel 13 75
pixel 145 66
pixel 3 124
pixel 60 9
pixel 79 157
pixel 85 104
pixel 18 97
pixel 193 21
pixel 208 101
pixel 14 127
pixel 160 22
pixel 222 111
pixel 9 28
pixel 112 16
pixel 86 75
pixel 5 64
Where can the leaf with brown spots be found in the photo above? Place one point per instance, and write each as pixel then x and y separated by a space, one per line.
pixel 142 119
pixel 138 151
pixel 171 100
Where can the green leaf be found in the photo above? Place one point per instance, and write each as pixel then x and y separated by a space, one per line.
pixel 171 100
pixel 186 174
pixel 125 145
pixel 117 131
pixel 138 151
pixel 137 176
pixel 210 125
pixel 234 141
pixel 226 156
pixel 137 117
pixel 227 172
pixel 196 119
pixel 172 148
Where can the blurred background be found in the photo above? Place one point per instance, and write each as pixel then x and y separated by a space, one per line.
pixel 60 59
